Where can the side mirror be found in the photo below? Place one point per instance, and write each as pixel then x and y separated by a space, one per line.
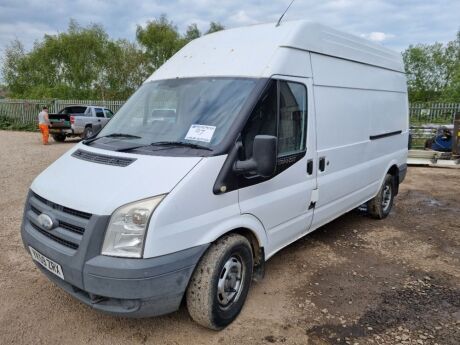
pixel 263 161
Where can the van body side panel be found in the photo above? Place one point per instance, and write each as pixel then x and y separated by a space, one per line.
pixel 355 102
pixel 192 215
pixel 282 203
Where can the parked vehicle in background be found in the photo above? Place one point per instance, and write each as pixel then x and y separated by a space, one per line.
pixel 243 142
pixel 78 121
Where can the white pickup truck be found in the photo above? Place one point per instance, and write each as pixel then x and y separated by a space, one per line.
pixel 78 121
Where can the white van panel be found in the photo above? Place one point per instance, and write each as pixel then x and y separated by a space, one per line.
pixel 354 102
pixel 264 50
pixel 192 214
pixel 331 71
pixel 100 189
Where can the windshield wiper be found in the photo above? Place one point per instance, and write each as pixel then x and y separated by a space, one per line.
pixel 113 135
pixel 180 143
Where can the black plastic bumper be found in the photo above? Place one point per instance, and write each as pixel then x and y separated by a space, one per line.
pixel 133 287
pixel 121 286
pixel 402 172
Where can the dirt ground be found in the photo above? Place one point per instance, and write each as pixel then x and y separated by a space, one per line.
pixel 354 281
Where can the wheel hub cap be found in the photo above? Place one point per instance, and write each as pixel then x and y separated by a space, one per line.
pixel 386 197
pixel 230 282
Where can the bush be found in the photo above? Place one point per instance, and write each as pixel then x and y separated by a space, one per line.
pixel 8 123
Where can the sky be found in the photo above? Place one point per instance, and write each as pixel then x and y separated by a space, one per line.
pixel 392 23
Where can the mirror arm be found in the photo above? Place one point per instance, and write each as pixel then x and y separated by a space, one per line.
pixel 241 167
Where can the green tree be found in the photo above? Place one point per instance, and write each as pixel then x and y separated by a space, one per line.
pixel 432 70
pixel 160 39
pixel 84 63
pixel 192 32
pixel 214 27
pixel 81 63
pixel 452 92
pixel 14 69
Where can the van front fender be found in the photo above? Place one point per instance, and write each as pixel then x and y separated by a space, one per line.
pixel 243 221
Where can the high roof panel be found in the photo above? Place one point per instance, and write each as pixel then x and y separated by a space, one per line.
pixel 321 39
pixel 253 51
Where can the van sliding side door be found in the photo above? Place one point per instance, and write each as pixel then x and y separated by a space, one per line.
pixel 285 202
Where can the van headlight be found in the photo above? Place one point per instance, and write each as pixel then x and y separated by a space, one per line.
pixel 127 228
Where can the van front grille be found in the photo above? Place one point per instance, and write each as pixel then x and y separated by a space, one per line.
pixel 70 224
pixel 55 238
pixel 76 229
pixel 62 208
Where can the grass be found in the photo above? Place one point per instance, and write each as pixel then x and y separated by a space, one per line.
pixel 6 123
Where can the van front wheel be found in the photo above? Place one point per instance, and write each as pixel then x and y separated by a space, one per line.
pixel 380 206
pixel 220 283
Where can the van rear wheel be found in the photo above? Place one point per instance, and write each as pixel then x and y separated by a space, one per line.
pixel 220 283
pixel 380 206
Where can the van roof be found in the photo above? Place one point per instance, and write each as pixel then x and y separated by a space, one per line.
pixel 255 51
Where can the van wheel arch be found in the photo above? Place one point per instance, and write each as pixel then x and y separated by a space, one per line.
pixel 257 250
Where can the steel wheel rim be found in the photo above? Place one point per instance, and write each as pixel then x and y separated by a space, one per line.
pixel 386 197
pixel 230 283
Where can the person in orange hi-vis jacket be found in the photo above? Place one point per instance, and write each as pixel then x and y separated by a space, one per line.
pixel 43 124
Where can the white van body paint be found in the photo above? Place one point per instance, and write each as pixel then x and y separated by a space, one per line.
pixel 355 89
pixel 101 189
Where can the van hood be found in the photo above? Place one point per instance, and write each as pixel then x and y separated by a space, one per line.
pixel 99 188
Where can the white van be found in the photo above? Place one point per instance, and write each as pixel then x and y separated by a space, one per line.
pixel 243 142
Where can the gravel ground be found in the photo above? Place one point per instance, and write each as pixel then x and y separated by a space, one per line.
pixel 354 281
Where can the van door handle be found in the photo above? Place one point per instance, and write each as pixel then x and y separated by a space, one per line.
pixel 322 163
pixel 310 166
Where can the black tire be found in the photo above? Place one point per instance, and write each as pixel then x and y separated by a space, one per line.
pixel 59 137
pixel 380 206
pixel 88 132
pixel 205 302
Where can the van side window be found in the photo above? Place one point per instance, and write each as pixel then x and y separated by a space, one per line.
pixel 262 120
pixel 292 118
pixel 281 112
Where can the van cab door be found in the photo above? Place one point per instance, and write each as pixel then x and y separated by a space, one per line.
pixel 284 202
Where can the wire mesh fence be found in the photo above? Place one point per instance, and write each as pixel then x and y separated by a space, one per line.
pixel 25 111
pixel 439 113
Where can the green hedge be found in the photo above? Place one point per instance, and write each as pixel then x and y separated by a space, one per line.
pixel 8 123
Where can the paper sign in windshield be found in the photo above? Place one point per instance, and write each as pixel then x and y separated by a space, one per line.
pixel 200 133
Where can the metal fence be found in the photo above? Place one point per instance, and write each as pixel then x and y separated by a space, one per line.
pixel 26 110
pixel 441 113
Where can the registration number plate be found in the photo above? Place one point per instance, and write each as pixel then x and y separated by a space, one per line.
pixel 49 264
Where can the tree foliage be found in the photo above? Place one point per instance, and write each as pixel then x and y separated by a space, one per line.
pixel 433 71
pixel 85 63
pixel 214 27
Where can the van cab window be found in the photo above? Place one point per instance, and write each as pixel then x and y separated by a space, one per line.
pixel 281 112
pixel 194 111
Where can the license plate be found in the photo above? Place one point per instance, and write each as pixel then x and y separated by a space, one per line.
pixel 49 264
pixel 55 131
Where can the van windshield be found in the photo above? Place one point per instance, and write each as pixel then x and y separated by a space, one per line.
pixel 194 111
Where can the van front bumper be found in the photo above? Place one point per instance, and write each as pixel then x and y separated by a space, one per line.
pixel 119 286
